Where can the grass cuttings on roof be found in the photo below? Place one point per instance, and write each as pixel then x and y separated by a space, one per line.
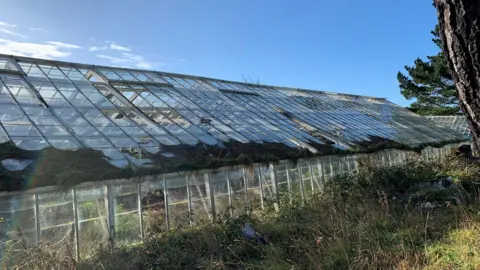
pixel 55 167
pixel 233 153
pixel 65 169
pixel 377 143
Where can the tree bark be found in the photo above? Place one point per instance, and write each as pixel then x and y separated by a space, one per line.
pixel 459 23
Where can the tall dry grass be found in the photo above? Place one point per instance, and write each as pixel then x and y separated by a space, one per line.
pixel 357 222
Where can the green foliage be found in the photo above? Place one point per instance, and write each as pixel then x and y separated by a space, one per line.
pixel 126 225
pixel 430 84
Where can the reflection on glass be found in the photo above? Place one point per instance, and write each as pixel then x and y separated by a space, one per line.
pixel 220 189
pixel 200 198
pixel 178 202
pixel 17 212
pixel 57 221
pixel 127 219
pixel 92 219
pixel 237 187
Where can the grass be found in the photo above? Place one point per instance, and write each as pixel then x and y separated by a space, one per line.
pixel 354 224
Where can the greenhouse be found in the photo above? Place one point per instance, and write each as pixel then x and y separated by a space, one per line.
pixel 89 154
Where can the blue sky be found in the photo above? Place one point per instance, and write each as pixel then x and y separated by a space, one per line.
pixel 346 46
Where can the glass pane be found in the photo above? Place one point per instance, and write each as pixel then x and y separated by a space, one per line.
pixel 253 184
pixel 153 207
pixel 306 178
pixel 178 202
pixel 92 219
pixel 57 221
pixel 65 143
pixel 33 72
pixel 267 183
pixel 220 188
pixel 18 214
pixel 30 143
pixel 52 72
pixel 317 174
pixel 281 178
pixel 127 219
pixel 200 198
pixel 294 178
pixel 237 186
pixel 21 91
pixel 73 74
pixel 7 64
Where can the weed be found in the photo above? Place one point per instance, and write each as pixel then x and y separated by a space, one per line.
pixel 353 224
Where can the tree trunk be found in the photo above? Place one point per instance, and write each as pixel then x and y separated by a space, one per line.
pixel 459 22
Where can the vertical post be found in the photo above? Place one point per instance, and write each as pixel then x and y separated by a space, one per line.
pixel 289 181
pixel 341 164
pixel 271 169
pixel 111 215
pixel 321 172
pixel 189 197
pixel 38 230
pixel 349 168
pixel 229 190
pixel 140 210
pixel 75 224
pixel 332 173
pixel 245 183
pixel 310 170
pixel 355 163
pixel 260 175
pixel 165 202
pixel 210 194
pixel 302 192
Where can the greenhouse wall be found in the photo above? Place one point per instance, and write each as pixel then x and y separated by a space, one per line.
pixel 112 213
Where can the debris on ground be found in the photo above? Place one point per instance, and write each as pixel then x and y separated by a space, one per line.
pixel 249 233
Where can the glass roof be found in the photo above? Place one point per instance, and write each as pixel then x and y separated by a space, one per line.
pixel 128 113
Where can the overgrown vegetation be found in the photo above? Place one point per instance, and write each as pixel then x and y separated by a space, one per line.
pixel 65 169
pixel 372 220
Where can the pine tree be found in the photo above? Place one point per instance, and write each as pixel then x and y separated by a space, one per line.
pixel 430 84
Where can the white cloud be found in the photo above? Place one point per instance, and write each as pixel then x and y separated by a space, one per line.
pixel 96 48
pixel 12 33
pixel 63 45
pixel 50 50
pixel 130 59
pixel 7 25
pixel 8 28
pixel 112 46
pixel 116 47
pixel 39 29
pixel 114 60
